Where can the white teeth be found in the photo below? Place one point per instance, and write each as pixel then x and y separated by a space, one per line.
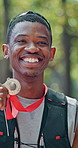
pixel 32 60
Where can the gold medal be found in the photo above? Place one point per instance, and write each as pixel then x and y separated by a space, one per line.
pixel 13 86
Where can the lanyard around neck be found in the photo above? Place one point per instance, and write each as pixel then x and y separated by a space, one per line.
pixel 16 105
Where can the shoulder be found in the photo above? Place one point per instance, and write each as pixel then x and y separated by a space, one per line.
pixel 61 97
pixel 72 107
pixel 72 110
pixel 72 101
pixel 56 96
pixel 72 113
pixel 72 119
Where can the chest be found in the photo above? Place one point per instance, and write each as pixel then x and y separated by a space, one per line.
pixel 29 124
pixel 54 126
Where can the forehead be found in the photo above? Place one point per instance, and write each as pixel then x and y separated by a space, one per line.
pixel 29 28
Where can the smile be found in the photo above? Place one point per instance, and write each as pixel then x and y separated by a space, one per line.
pixel 30 60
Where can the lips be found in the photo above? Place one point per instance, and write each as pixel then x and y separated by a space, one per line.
pixel 31 59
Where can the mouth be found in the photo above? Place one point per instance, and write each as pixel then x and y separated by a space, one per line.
pixel 31 59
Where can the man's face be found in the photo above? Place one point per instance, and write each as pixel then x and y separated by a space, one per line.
pixel 29 48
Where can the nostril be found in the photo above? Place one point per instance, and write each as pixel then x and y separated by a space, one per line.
pixel 31 49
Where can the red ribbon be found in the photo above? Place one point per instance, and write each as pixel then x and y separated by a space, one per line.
pixel 15 103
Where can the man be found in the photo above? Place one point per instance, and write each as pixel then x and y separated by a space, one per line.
pixel 37 116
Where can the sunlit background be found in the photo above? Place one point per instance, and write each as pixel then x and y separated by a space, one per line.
pixel 62 73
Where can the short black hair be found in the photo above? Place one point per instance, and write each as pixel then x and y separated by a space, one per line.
pixel 31 17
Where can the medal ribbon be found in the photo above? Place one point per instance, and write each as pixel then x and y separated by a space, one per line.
pixel 16 105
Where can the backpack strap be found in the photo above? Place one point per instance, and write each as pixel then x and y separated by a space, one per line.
pixel 71 118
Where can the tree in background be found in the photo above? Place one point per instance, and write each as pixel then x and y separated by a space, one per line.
pixel 67 37
pixel 4 64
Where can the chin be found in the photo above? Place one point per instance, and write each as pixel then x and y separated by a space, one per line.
pixel 32 74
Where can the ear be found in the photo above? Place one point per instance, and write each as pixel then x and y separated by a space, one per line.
pixel 52 53
pixel 5 49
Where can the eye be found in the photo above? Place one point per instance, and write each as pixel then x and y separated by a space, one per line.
pixel 21 41
pixel 42 43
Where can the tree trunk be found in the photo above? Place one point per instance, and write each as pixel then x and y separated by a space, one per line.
pixel 6 15
pixel 67 46
pixel 4 64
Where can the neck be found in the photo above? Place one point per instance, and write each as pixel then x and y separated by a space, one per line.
pixel 31 88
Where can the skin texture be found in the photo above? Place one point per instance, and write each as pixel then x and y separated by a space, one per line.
pixel 29 42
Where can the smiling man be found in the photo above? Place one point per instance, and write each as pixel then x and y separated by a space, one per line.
pixel 38 116
pixel 30 47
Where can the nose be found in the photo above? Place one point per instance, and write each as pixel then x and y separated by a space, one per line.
pixel 32 48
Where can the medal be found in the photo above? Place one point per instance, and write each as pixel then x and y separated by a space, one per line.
pixel 13 86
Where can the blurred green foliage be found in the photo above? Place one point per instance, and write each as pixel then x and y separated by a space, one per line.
pixel 60 13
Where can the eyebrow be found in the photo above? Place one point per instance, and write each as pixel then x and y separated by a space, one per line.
pixel 42 36
pixel 39 36
pixel 19 35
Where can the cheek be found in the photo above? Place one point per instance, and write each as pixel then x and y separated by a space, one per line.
pixel 47 59
pixel 47 54
pixel 14 52
pixel 13 59
pixel 15 49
